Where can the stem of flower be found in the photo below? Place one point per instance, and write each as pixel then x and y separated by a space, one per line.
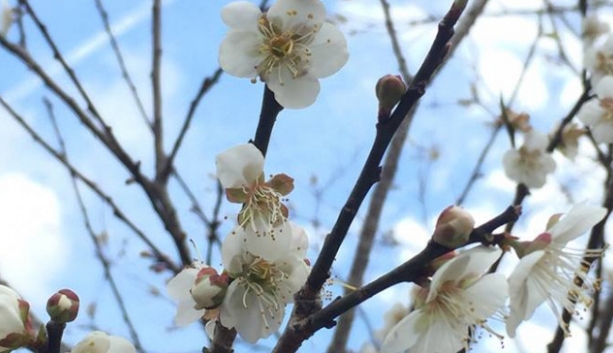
pixel 268 116
pixel 55 330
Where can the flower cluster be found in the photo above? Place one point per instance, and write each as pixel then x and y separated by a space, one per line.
pixel 460 296
pixel 263 256
pixel 289 47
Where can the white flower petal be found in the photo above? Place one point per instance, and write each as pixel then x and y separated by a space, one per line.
pixel 271 245
pixel 604 89
pixel 297 14
pixel 488 294
pixel 468 264
pixel 239 53
pixel 232 251
pixel 404 335
pixel 524 298
pixel 577 221
pixel 300 241
pixel 120 345
pixel 294 93
pixel 178 287
pixel 328 52
pixel 591 112
pixel 186 313
pixel 239 166
pixel 241 15
pixel 94 342
pixel 603 131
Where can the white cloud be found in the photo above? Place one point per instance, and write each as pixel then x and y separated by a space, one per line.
pixel 32 249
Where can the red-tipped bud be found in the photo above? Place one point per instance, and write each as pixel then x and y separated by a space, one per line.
pixel 389 90
pixel 209 288
pixel 63 306
pixel 453 227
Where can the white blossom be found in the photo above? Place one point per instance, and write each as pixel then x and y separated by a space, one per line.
pixel 531 163
pixel 13 320
pixel 100 342
pixel 179 288
pixel 459 297
pixel 289 47
pixel 598 112
pixel 546 272
pixel 240 170
pixel 266 273
pixel 598 60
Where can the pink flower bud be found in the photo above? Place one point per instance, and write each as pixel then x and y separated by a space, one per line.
pixel 389 90
pixel 209 288
pixel 63 306
pixel 453 227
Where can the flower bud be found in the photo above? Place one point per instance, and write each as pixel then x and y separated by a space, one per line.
pixel 389 90
pixel 209 288
pixel 14 320
pixel 63 306
pixel 453 227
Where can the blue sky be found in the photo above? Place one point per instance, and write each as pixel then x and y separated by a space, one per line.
pixel 44 245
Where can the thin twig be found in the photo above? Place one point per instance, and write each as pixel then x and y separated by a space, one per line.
pixel 104 262
pixel 204 88
pixel 117 212
pixel 156 68
pixel 121 62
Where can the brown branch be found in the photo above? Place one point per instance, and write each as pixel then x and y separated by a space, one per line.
pixel 410 271
pixel 307 298
pixel 158 127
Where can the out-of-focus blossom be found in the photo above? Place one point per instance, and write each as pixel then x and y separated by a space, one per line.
pixel 531 163
pixel 598 112
pixel 569 144
pixel 599 60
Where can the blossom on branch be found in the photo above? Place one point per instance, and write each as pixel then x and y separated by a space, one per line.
pixel 100 342
pixel 531 163
pixel 289 47
pixel 240 170
pixel 599 60
pixel 14 320
pixel 459 297
pixel 547 269
pixel 598 113
pixel 266 272
pixel 179 288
